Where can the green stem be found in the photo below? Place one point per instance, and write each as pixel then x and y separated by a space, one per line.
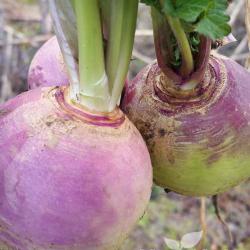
pixel 105 7
pixel 187 66
pixel 94 92
pixel 126 40
pixel 73 4
pixel 163 44
pixel 115 36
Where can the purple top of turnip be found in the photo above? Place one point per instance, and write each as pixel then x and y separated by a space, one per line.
pixel 47 67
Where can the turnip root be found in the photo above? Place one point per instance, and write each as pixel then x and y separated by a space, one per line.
pixel 47 67
pixel 69 179
pixel 198 138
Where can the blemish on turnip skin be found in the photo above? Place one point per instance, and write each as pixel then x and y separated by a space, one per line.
pixel 36 75
pixel 142 215
pixel 212 159
pixel 148 132
pixel 48 123
pixel 4 112
pixel 162 132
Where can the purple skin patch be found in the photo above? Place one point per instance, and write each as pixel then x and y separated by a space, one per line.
pixel 47 67
pixel 66 183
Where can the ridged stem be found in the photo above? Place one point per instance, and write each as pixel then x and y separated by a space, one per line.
pixel 187 64
pixel 121 41
pixel 94 91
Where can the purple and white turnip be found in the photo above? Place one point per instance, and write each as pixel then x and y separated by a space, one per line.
pixel 69 179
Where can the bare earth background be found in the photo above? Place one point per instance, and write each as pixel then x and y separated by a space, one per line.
pixel 25 26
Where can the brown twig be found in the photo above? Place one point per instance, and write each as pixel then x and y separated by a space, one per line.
pixel 222 221
pixel 240 48
pixel 203 222
pixel 242 56
pixel 235 11
pixel 34 41
pixel 247 63
pixel 46 23
pixel 21 36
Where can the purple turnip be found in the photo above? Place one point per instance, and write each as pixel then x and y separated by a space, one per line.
pixel 70 179
pixel 47 68
pixel 75 173
pixel 193 111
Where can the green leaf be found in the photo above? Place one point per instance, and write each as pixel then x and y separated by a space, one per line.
pixel 169 8
pixel 190 10
pixel 212 27
pixel 153 3
pixel 194 41
pixel 149 2
pixel 214 22
pixel 207 17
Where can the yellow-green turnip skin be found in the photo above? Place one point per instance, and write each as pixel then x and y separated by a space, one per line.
pixel 69 179
pixel 47 67
pixel 199 140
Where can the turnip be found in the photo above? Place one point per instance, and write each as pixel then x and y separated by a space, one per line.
pixel 74 172
pixel 47 68
pixel 192 108
pixel 70 179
